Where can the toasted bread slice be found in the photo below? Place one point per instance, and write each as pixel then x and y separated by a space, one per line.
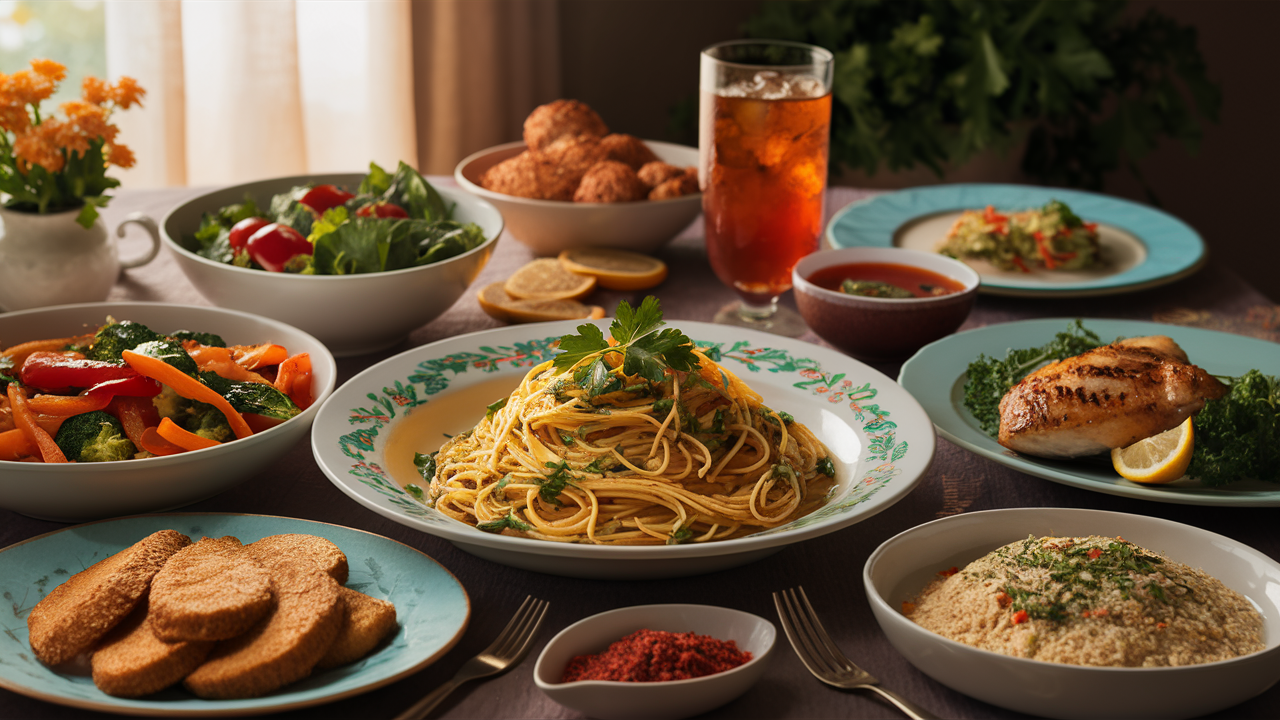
pixel 77 613
pixel 274 548
pixel 212 590
pixel 282 648
pixel 547 279
pixel 133 662
pixel 365 622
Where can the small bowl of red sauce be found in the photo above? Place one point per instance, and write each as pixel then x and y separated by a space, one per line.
pixel 883 304
pixel 660 662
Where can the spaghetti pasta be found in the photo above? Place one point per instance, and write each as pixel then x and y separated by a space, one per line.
pixel 592 454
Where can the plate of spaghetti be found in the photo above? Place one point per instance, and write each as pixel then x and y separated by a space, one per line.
pixel 623 448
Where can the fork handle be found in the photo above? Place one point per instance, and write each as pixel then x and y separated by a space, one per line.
pixel 424 706
pixel 911 709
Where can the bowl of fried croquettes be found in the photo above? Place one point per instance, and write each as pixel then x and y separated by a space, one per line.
pixel 571 182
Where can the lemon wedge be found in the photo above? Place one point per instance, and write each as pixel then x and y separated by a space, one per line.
pixel 615 269
pixel 1158 459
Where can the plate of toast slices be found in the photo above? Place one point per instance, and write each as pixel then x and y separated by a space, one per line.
pixel 189 614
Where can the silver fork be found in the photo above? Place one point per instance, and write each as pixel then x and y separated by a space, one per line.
pixel 818 653
pixel 510 648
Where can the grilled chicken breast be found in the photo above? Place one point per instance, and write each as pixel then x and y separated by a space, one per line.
pixel 1109 397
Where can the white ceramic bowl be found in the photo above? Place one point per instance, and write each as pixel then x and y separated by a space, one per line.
pixel 351 314
pixel 904 564
pixel 670 700
pixel 550 226
pixel 75 492
pixel 882 329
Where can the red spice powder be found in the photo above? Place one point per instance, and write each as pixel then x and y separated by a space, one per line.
pixel 657 655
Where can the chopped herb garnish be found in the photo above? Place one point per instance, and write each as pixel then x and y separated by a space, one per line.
pixel 510 521
pixel 552 485
pixel 426 465
pixel 826 467
pixel 415 491
pixel 491 410
pixel 646 350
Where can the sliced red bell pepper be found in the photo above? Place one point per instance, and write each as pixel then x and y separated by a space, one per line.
pixel 59 372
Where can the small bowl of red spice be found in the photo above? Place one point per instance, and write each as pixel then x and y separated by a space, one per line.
pixel 661 662
pixel 883 304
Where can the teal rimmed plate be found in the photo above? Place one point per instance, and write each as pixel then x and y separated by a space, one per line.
pixel 937 373
pixel 1141 247
pixel 880 440
pixel 432 610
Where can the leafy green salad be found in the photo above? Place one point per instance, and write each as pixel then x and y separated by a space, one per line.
pixel 1237 436
pixel 391 221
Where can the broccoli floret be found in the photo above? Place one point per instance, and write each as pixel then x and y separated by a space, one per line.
pixel 94 437
pixel 170 404
pixel 204 338
pixel 208 421
pixel 114 338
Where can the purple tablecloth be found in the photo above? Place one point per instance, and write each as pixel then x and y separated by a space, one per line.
pixel 828 567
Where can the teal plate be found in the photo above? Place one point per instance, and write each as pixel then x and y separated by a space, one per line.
pixel 1142 247
pixel 937 373
pixel 432 610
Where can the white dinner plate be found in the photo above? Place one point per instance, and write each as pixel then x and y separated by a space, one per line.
pixel 937 373
pixel 881 440
pixel 432 611
pixel 1142 247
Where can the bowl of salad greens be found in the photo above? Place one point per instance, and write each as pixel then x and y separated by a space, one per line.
pixel 359 261
pixel 143 407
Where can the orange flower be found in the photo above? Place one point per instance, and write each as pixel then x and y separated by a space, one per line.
pixel 55 72
pixel 120 156
pixel 127 92
pixel 40 145
pixel 95 91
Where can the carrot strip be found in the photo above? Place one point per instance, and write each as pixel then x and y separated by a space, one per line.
pixel 169 430
pixel 136 415
pixel 26 421
pixel 14 445
pixel 220 361
pixel 253 357
pixel 294 380
pixel 152 442
pixel 20 351
pixel 186 386
pixel 68 405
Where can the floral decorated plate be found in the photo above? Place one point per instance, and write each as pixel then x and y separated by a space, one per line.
pixel 881 440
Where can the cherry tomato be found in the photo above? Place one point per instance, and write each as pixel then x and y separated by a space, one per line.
pixel 273 244
pixel 243 230
pixel 382 209
pixel 323 197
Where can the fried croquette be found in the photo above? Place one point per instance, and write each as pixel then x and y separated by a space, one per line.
pixel 283 647
pixel 678 186
pixel 79 612
pixel 548 123
pixel 550 174
pixel 272 549
pixel 365 622
pixel 610 181
pixel 212 590
pixel 133 662
pixel 627 149
pixel 657 172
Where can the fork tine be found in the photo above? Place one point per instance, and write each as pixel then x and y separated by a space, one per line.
pixel 800 642
pixel 538 613
pixel 833 652
pixel 511 630
pixel 526 621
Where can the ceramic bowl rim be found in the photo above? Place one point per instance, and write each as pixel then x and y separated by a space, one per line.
pixel 903 256
pixel 877 599
pixel 475 189
pixel 757 657
pixel 185 254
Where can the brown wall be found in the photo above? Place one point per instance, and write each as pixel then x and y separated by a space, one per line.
pixel 635 60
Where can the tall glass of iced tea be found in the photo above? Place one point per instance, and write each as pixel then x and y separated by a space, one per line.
pixel 764 128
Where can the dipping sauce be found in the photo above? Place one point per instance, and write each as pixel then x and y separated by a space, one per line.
pixel 657 656
pixel 917 281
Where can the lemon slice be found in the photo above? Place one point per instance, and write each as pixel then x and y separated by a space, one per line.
pixel 615 269
pixel 1158 459
pixel 495 301
pixel 547 279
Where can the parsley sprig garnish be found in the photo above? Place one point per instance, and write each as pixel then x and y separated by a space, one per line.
pixel 647 350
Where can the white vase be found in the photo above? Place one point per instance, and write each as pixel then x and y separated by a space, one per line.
pixel 52 260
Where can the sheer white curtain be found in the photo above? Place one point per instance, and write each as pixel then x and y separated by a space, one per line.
pixel 240 90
